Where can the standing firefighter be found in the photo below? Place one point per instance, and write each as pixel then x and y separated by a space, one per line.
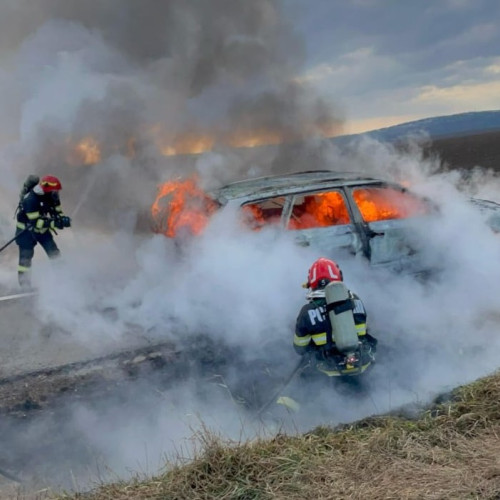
pixel 332 324
pixel 39 214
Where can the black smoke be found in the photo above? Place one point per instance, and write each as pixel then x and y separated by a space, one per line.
pixel 136 76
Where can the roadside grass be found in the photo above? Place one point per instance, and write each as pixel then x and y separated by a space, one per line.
pixel 450 451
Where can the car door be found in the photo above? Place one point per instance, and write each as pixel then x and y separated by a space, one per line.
pixel 390 215
pixel 322 219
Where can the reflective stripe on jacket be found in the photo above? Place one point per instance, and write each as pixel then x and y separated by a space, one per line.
pixel 313 328
pixel 33 207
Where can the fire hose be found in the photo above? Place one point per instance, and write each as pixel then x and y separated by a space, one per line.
pixel 29 228
pixel 13 239
pixel 302 364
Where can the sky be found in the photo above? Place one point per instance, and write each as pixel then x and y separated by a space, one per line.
pixel 366 63
pixel 391 61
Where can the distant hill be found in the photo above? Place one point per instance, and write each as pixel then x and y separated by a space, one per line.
pixel 462 141
pixel 436 127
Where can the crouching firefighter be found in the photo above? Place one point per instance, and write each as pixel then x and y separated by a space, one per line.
pixel 39 214
pixel 332 325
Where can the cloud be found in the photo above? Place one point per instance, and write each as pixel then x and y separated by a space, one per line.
pixel 367 124
pixel 493 68
pixel 478 34
pixel 352 73
pixel 425 44
pixel 464 85
pixel 455 97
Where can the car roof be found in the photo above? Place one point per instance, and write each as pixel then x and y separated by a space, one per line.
pixel 276 185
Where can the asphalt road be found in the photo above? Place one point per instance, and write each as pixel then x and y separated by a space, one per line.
pixel 28 345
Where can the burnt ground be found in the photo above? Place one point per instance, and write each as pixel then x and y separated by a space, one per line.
pixel 47 395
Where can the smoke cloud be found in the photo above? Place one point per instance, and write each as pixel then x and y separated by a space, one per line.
pixel 120 85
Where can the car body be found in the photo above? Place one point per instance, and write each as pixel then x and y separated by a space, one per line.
pixel 341 214
pixel 337 213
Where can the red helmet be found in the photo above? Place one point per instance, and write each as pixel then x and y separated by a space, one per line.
pixel 50 183
pixel 322 272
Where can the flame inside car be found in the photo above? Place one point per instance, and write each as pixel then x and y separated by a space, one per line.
pixel 319 210
pixel 377 204
pixel 181 206
pixel 338 213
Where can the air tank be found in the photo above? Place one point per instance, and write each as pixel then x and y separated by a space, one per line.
pixel 339 307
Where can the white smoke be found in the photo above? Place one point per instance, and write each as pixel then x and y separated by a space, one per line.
pixel 438 333
pixel 70 71
pixel 243 290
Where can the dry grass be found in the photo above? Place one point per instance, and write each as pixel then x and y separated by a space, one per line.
pixel 451 452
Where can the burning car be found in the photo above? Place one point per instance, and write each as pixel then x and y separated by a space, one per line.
pixel 337 213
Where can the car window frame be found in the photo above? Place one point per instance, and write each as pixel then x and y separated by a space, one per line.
pixel 363 231
pixel 380 228
pixel 254 201
pixel 357 225
pixel 395 187
pixel 294 195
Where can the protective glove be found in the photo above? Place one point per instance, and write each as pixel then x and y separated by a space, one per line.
pixel 58 222
pixel 66 221
pixel 62 221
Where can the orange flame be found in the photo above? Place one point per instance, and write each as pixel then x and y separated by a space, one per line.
pixel 197 142
pixel 188 144
pixel 253 216
pixel 256 138
pixel 376 205
pixel 181 205
pixel 326 209
pixel 88 151
pixel 320 210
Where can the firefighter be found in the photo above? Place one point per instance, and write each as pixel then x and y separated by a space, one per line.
pixel 313 330
pixel 39 214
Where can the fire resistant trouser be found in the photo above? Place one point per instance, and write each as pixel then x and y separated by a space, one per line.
pixel 26 242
